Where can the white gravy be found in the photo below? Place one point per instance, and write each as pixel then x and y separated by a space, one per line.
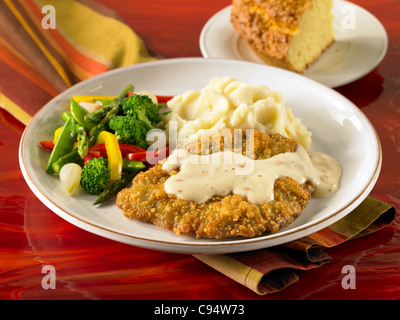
pixel 201 177
pixel 328 173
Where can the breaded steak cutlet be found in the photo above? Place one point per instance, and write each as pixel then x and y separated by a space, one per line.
pixel 220 217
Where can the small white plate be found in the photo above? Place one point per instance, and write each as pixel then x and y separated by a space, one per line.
pixel 360 44
pixel 338 128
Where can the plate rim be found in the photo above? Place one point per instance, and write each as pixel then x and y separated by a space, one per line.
pixel 180 247
pixel 333 84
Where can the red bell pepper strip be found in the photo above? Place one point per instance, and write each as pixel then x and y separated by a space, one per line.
pixel 164 99
pixel 91 155
pixel 99 150
pixel 160 99
pixel 138 156
pixel 129 148
pixel 151 157
pixel 47 145
pixel 125 149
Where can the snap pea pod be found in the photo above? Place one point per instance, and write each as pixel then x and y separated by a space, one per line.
pixel 64 144
pixel 116 187
pixel 131 165
pixel 66 115
pixel 78 113
pixel 72 156
pixel 104 102
pixel 99 114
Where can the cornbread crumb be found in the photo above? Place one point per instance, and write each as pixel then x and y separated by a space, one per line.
pixel 290 34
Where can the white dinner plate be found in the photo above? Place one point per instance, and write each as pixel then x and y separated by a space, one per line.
pixel 338 128
pixel 360 44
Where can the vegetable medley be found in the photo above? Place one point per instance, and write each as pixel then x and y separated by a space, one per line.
pixel 102 144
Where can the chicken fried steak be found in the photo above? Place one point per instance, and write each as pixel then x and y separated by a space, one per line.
pixel 219 217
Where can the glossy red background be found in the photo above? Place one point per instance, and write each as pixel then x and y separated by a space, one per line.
pixel 90 267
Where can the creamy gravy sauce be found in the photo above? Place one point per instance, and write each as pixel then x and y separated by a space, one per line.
pixel 328 173
pixel 201 177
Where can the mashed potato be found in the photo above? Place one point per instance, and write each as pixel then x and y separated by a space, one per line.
pixel 229 103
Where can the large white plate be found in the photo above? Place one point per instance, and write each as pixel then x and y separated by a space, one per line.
pixel 360 44
pixel 338 128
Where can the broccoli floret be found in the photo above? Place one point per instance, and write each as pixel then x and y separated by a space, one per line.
pixel 139 115
pixel 142 108
pixel 95 175
pixel 129 130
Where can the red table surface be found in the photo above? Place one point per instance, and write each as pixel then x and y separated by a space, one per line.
pixel 91 267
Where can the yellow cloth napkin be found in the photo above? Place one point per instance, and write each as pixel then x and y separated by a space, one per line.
pixel 48 45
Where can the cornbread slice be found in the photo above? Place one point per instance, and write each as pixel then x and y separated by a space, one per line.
pixel 289 34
